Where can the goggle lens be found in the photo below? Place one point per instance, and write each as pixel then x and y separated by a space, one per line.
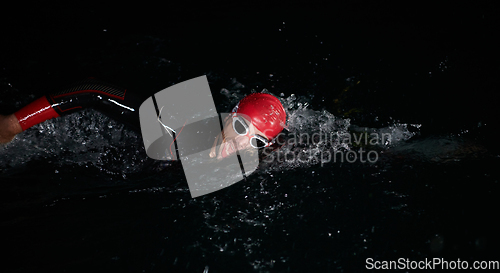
pixel 257 143
pixel 241 128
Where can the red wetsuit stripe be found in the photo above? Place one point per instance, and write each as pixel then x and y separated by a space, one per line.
pixel 36 112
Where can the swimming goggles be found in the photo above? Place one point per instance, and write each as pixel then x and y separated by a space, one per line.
pixel 242 129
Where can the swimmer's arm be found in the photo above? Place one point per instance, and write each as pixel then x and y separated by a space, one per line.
pixel 213 151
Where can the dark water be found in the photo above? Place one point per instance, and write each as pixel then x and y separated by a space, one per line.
pixel 80 195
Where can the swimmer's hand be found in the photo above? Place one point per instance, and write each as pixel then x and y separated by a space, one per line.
pixel 9 128
pixel 213 151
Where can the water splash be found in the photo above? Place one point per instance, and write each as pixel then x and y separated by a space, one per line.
pixel 84 138
pixel 316 137
pixel 89 138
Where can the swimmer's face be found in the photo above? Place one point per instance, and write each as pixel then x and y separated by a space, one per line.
pixel 232 140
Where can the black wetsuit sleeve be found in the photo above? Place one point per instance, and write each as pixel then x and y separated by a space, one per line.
pixel 111 100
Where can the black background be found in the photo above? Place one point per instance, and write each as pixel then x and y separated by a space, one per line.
pixel 396 51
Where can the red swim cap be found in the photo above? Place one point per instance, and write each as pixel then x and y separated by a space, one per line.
pixel 266 111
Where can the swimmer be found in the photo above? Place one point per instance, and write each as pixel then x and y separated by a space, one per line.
pixel 108 99
pixel 268 119
pixel 266 113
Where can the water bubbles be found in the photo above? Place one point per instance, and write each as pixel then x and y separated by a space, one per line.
pixel 443 66
pixel 289 103
pixel 314 136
